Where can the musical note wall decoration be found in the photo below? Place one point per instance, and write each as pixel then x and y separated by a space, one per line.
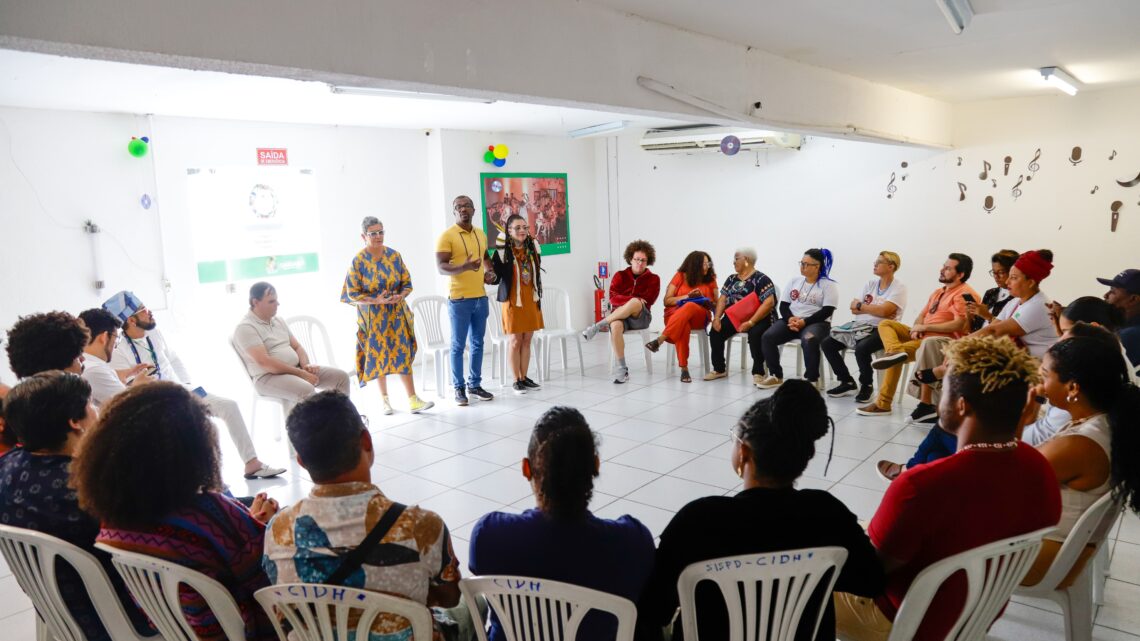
pixel 1129 183
pixel 989 205
pixel 1016 191
pixel 1007 160
pixel 1033 165
pixel 1113 155
pixel 994 180
pixel 904 164
pixel 961 192
pixel 1094 189
pixel 985 170
pixel 903 177
pixel 891 188
pixel 1075 156
pixel 1116 205
pixel 959 161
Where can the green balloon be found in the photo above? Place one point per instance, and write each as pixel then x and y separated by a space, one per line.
pixel 137 148
pixel 489 156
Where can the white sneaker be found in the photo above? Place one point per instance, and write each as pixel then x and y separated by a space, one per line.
pixel 622 375
pixel 388 411
pixel 591 331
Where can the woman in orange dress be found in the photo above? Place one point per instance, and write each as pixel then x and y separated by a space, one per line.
pixel 517 266
pixel 695 278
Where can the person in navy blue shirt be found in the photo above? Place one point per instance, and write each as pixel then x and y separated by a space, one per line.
pixel 560 539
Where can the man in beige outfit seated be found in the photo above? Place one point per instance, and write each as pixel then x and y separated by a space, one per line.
pixel 274 359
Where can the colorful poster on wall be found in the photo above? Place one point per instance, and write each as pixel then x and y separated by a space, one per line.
pixel 252 223
pixel 541 199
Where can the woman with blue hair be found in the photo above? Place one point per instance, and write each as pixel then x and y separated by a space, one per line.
pixel 806 305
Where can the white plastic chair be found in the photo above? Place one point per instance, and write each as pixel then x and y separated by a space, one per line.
pixel 318 612
pixel 154 584
pixel 433 337
pixel 257 397
pixel 766 593
pixel 32 558
pixel 531 609
pixel 743 337
pixel 500 347
pixel 310 332
pixel 992 572
pixel 702 349
pixel 635 339
pixel 1076 601
pixel 559 326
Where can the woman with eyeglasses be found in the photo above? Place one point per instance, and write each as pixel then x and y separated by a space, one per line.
pixel 771 446
pixel 805 313
pixel 518 265
pixel 1026 319
pixel 995 298
pixel 377 284
pixel 688 299
pixel 745 305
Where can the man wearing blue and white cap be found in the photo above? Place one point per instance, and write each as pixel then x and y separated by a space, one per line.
pixel 143 344
pixel 1124 294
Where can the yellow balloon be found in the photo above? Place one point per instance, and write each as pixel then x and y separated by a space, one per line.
pixel 501 151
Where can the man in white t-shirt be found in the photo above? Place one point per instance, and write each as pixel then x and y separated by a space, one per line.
pixel 142 344
pixel 105 381
pixel 883 297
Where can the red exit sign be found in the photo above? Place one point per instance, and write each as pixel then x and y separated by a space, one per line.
pixel 272 156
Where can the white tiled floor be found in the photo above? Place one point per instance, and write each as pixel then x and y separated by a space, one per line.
pixel 663 443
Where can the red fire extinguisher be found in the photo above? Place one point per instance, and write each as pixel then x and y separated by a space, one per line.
pixel 599 300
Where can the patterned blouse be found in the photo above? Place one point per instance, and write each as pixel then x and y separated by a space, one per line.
pixel 736 288
pixel 307 541
pixel 218 537
pixel 34 495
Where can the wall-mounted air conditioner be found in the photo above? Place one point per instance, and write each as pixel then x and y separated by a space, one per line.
pixel 699 139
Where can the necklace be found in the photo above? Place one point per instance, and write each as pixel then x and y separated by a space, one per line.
pixel 881 292
pixel 1008 445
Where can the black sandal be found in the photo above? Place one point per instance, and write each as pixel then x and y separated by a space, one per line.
pixel 925 376
pixel 685 378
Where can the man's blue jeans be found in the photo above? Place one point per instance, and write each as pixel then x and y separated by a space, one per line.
pixel 468 323
pixel 938 444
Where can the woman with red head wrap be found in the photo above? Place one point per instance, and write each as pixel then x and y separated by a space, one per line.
pixel 1026 320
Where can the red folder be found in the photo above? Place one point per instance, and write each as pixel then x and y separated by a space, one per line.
pixel 743 309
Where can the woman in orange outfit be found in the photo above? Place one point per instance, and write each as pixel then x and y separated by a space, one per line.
pixel 695 278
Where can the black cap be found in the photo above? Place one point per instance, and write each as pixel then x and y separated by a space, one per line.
pixel 1128 280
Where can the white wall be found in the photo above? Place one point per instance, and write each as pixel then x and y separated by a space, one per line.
pixel 77 165
pixel 833 194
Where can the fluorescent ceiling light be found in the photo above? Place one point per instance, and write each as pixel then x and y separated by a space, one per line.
pixel 412 95
pixel 958 13
pixel 597 130
pixel 1059 79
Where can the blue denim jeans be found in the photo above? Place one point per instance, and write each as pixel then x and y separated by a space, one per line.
pixel 938 444
pixel 468 325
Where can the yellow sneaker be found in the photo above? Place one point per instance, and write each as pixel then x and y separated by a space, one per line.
pixel 418 405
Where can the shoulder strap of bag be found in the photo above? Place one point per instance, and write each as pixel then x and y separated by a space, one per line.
pixel 355 558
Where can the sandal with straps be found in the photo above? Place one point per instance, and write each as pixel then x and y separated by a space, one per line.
pixel 685 378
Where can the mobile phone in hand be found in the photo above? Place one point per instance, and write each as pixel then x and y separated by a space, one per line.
pixel 969 298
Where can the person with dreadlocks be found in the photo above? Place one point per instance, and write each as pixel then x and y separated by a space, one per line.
pixel 517 265
pixel 994 487
pixel 771 446
pixel 560 539
pixel 806 307
pixel 1098 450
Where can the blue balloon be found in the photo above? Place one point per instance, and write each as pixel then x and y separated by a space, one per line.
pixel 499 162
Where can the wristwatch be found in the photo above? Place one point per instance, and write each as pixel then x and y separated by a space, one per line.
pixel 859 306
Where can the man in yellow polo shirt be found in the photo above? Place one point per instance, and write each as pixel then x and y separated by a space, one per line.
pixel 461 253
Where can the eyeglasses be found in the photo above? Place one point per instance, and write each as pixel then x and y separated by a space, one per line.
pixel 374 234
pixel 364 419
pixel 883 262
pixel 934 306
pixel 517 229
pixel 806 265
pixel 996 273
pixel 732 431
pixel 640 260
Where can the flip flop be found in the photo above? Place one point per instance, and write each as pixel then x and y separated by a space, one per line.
pixel 685 378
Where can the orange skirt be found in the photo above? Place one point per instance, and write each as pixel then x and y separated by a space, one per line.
pixel 520 320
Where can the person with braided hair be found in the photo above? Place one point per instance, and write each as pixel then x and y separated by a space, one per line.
pixel 771 446
pixel 517 266
pixel 1098 450
pixel 994 487
pixel 560 539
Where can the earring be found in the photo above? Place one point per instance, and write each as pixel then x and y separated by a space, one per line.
pixel 739 471
pixel 1072 398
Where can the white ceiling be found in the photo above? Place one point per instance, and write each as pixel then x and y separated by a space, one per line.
pixel 908 44
pixel 42 81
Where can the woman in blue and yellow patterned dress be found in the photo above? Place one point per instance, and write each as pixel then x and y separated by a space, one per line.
pixel 377 284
